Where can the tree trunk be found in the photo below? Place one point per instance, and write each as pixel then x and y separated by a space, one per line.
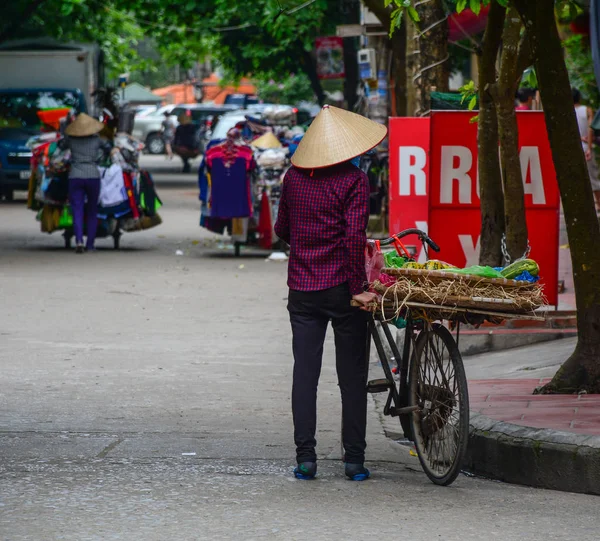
pixel 490 180
pixel 398 50
pixel 581 372
pixel 308 64
pixel 352 75
pixel 503 93
pixel 398 71
pixel 427 56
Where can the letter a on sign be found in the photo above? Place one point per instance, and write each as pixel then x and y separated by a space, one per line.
pixel 530 163
pixel 412 165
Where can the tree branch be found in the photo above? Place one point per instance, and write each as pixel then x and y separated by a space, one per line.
pixel 11 30
pixel 510 52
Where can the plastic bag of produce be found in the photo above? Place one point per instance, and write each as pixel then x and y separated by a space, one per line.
pixel 374 260
pixel 477 270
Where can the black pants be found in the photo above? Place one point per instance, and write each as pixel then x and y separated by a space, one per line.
pixel 310 313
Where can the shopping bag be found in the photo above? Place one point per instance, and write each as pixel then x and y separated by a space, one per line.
pixel 66 218
pixel 374 260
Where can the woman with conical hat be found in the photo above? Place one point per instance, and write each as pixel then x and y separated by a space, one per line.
pixel 323 216
pixel 84 177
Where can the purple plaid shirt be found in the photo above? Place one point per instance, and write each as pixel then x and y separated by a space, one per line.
pixel 323 216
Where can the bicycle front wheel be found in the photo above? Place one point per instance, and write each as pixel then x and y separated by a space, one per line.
pixel 438 387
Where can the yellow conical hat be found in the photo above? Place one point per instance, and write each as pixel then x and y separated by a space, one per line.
pixel 268 140
pixel 83 126
pixel 336 136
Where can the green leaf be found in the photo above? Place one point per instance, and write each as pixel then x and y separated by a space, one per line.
pixel 412 13
pixel 395 20
pixel 66 8
pixel 472 103
pixel 503 3
pixel 475 6
pixel 386 3
pixel 474 119
pixel 461 5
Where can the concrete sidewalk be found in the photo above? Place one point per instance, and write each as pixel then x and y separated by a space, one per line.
pixel 551 441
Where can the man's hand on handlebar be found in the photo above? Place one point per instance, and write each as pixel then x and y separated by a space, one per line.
pixel 364 299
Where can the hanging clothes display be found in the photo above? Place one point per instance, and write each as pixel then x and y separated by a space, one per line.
pixel 230 166
pixel 224 179
pixel 240 186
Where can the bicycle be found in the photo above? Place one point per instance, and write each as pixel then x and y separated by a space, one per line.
pixel 431 394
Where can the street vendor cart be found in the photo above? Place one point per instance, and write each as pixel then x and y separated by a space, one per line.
pixel 426 384
pixel 128 199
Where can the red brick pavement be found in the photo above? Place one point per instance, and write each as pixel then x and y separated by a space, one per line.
pixel 510 400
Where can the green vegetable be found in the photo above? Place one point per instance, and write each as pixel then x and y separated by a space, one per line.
pixel 477 270
pixel 393 260
pixel 514 269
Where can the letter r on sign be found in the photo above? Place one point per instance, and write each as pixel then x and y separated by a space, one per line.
pixel 412 165
pixel 459 171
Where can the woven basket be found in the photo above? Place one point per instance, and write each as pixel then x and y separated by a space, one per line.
pixel 452 294
pixel 436 276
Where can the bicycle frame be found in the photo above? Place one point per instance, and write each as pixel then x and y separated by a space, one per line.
pixel 432 405
pixel 397 401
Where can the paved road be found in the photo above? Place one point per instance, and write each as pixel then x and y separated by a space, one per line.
pixel 145 396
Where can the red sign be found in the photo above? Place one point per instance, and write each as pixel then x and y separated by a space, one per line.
pixel 454 219
pixel 330 58
pixel 409 174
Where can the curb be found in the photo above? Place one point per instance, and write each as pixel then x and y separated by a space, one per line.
pixel 513 335
pixel 484 341
pixel 541 458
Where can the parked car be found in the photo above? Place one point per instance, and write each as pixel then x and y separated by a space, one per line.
pixel 304 113
pixel 24 114
pixel 228 121
pixel 148 127
pixel 241 100
pixel 143 110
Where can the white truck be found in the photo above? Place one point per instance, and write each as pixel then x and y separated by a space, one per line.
pixel 40 79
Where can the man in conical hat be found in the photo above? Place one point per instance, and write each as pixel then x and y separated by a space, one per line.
pixel 323 216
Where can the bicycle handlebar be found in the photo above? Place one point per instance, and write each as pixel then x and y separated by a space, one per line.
pixel 421 234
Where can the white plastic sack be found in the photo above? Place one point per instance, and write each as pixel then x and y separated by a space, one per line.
pixel 112 186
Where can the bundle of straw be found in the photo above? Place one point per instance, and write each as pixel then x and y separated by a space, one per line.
pixel 458 293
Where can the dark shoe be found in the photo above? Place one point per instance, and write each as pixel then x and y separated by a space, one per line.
pixel 357 472
pixel 306 470
pixel 79 249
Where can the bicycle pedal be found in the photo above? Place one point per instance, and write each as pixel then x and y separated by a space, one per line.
pixel 378 386
pixel 396 412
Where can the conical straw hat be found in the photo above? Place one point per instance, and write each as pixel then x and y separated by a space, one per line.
pixel 83 126
pixel 268 140
pixel 336 136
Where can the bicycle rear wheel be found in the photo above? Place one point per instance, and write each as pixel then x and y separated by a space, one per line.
pixel 438 385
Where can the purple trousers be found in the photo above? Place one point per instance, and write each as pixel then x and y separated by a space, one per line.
pixel 83 195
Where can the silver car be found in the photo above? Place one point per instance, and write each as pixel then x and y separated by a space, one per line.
pixel 147 128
